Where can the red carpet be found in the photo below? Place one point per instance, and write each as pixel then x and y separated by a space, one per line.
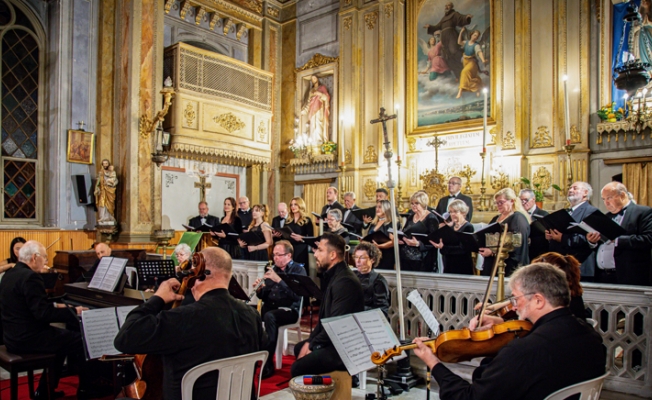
pixel 279 380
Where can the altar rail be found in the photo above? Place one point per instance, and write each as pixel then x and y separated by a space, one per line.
pixel 622 314
pixel 246 272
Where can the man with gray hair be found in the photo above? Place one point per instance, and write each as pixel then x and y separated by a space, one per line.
pixel 559 351
pixel 350 218
pixel 576 244
pixel 455 193
pixel 538 241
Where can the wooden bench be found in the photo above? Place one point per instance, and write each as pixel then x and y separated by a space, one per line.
pixel 29 362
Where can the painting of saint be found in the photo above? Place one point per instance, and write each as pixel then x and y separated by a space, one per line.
pixel 453 60
pixel 80 147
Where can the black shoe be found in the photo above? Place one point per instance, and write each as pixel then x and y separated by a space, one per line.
pixel 268 371
pixel 57 394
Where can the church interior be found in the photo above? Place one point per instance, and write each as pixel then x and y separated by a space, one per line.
pixel 181 101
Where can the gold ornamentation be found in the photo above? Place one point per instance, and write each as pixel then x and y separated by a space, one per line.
pixel 347 22
pixel 467 173
pixel 147 126
pixel 189 114
pixel 168 5
pixel 273 12
pixel 253 5
pixel 316 61
pixel 542 138
pixel 262 132
pixel 435 185
pixel 493 133
pixel 542 179
pixel 389 9
pixel 185 6
pixel 370 188
pixel 201 11
pixel 412 144
pixel 499 180
pixel 370 155
pixel 509 141
pixel 229 122
pixel 228 23
pixel 215 17
pixel 241 29
pixel 371 19
pixel 576 137
pixel 348 159
pixel 347 2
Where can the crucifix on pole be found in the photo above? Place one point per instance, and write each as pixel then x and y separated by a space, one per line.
pixel 436 143
pixel 202 185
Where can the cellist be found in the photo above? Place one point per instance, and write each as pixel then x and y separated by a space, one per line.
pixel 559 351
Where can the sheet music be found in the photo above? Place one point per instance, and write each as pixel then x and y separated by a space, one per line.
pixel 100 329
pixel 415 298
pixel 122 313
pixel 113 274
pixel 100 271
pixel 583 225
pixel 379 333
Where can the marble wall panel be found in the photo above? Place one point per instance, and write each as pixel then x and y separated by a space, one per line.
pixel 316 29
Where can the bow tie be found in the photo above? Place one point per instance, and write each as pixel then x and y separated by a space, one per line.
pixel 452 196
pixel 244 212
pixel 621 212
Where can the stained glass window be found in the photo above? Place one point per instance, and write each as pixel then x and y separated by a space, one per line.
pixel 20 186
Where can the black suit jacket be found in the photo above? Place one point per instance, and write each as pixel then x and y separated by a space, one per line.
pixel 335 205
pixel 210 220
pixel 246 218
pixel 632 252
pixel 352 220
pixel 276 222
pixel 560 350
pixel 576 244
pixel 538 244
pixel 443 203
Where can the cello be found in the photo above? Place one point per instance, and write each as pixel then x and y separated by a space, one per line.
pixel 148 384
pixel 463 344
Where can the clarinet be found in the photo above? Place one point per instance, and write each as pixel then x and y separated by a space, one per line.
pixel 262 281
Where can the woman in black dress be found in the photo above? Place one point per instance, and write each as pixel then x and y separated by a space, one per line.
pixel 14 247
pixel 259 215
pixel 382 222
pixel 301 225
pixel 412 251
pixel 456 259
pixel 229 243
pixel 376 290
pixel 571 268
pixel 518 221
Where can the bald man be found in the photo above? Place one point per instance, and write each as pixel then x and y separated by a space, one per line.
pixel 101 250
pixel 216 326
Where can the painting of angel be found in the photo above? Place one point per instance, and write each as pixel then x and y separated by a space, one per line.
pixel 453 60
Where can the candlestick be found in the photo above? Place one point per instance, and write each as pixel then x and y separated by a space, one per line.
pixel 397 107
pixel 484 122
pixel 566 112
pixel 483 189
pixel 569 174
pixel 341 140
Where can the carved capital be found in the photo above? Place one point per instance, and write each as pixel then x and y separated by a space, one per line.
pixel 168 6
pixel 509 141
pixel 371 19
pixel 389 10
pixel 542 138
pixel 370 155
pixel 347 22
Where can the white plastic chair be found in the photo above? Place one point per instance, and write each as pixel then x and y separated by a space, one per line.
pixel 282 338
pixel 588 390
pixel 235 380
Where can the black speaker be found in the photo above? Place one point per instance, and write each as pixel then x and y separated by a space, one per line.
pixel 82 185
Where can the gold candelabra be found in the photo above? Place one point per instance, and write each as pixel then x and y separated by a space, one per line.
pixel 483 198
pixel 499 180
pixel 467 172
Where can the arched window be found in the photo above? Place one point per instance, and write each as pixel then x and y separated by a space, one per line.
pixel 21 76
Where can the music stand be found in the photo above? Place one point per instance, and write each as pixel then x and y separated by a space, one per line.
pixel 152 272
pixel 305 287
pixel 236 290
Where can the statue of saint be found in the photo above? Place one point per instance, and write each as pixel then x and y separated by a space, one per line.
pixel 107 181
pixel 318 110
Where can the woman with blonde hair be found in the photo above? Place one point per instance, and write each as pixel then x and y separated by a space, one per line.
pixel 412 251
pixel 456 259
pixel 382 222
pixel 517 219
pixel 301 225
pixel 259 214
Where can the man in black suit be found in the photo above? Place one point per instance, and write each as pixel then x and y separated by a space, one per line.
pixel 629 255
pixel 538 243
pixel 244 212
pixel 349 217
pixel 576 244
pixel 331 201
pixel 279 221
pixel 203 218
pixel 454 188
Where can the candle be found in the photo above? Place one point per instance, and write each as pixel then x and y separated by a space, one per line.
pixel 566 112
pixel 397 108
pixel 625 98
pixel 341 139
pixel 484 122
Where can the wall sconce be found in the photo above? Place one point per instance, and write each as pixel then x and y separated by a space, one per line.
pixel 147 126
pixel 162 143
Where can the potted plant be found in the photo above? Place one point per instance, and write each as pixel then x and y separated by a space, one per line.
pixel 536 188
pixel 328 147
pixel 609 113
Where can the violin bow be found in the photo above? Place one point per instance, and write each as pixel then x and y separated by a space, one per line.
pixel 493 275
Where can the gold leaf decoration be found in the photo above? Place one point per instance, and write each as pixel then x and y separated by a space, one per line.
pixel 242 28
pixel 542 179
pixel 215 17
pixel 189 114
pixel 371 19
pixel 316 61
pixel 273 12
pixel 185 6
pixel 347 22
pixel 347 2
pixel 262 132
pixel 370 188
pixel 370 155
pixel 389 9
pixel 168 5
pixel 493 133
pixel 229 122
pixel 201 11
pixel 542 138
pixel 412 144
pixel 509 141
pixel 435 185
pixel 576 137
pixel 348 159
pixel 228 23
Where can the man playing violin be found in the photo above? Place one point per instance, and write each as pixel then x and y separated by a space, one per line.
pixel 216 326
pixel 559 351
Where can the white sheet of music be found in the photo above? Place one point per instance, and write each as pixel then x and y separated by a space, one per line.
pixel 122 313
pixel 429 318
pixel 100 271
pixel 100 329
pixel 108 273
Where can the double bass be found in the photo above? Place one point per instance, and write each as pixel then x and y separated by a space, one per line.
pixel 464 344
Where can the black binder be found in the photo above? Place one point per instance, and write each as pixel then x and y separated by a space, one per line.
pixel 360 212
pixel 378 236
pixel 203 228
pixel 252 238
pixel 560 220
pixel 606 226
pixel 287 230
pixel 302 285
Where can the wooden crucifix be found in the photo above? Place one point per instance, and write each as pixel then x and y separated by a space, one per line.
pixel 436 143
pixel 202 185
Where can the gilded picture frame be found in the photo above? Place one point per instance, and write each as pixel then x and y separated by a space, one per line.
pixel 433 86
pixel 81 146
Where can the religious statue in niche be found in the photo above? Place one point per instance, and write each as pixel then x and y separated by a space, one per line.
pixel 640 35
pixel 107 182
pixel 317 108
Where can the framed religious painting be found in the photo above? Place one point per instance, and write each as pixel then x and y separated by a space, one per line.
pixel 449 63
pixel 80 146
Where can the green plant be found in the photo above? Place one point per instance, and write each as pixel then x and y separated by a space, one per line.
pixel 536 188
pixel 328 147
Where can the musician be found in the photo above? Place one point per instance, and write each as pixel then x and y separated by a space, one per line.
pixel 203 218
pixel 301 222
pixel 182 252
pixel 216 326
pixel 14 248
pixel 280 303
pixel 454 190
pixel 629 255
pixel 244 212
pixel 331 201
pixel 349 217
pixel 226 242
pixel 334 221
pixel 383 223
pixel 538 244
pixel 342 294
pixel 576 244
pixel 412 251
pixel 455 258
pixel 518 220
pixel 559 351
pixel 259 214
pixel 374 286
pixel 26 316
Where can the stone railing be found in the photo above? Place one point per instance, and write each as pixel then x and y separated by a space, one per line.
pixel 622 314
pixel 246 272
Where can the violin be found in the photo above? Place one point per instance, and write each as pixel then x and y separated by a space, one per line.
pixel 148 384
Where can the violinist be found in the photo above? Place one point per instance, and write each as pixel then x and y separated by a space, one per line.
pixel 559 351
pixel 14 248
pixel 182 252
pixel 216 326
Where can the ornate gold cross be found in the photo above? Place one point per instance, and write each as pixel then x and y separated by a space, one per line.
pixel 202 185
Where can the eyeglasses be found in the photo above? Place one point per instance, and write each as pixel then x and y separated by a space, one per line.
pixel 280 254
pixel 524 201
pixel 501 202
pixel 361 258
pixel 454 183
pixel 512 299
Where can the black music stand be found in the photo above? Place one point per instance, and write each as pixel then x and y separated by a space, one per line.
pixel 305 287
pixel 153 272
pixel 237 291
